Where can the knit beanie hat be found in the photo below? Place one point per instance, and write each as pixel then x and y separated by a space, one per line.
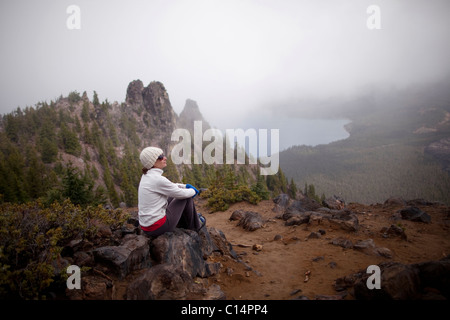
pixel 149 156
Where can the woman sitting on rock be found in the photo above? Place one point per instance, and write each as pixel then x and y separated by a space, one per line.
pixel 164 205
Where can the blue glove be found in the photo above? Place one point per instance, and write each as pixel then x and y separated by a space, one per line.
pixel 190 186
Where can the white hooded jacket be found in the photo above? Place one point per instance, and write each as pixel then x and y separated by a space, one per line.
pixel 154 189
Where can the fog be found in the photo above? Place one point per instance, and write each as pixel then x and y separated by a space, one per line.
pixel 237 59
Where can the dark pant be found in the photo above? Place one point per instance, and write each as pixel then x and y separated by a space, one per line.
pixel 180 213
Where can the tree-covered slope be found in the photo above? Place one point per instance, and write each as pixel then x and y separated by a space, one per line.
pixel 387 153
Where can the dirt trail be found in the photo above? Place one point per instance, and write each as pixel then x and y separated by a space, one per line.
pixel 278 270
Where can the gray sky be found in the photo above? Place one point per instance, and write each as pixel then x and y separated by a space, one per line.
pixel 232 56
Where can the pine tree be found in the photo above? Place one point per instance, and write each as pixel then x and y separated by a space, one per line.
pixel 311 193
pixel 87 137
pixel 112 193
pixel 273 184
pixel 292 189
pixel 49 150
pixel 198 176
pixel 188 177
pixel 260 188
pixel 79 189
pixel 87 156
pixel 74 97
pixel 282 180
pixel 35 181
pixel 12 127
pixel 130 193
pixel 322 198
pixel 94 172
pixel 77 125
pixel 14 164
pixel 95 100
pixel 47 141
pixel 70 141
pixel 170 172
pixel 85 112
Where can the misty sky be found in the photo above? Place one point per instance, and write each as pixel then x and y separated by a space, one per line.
pixel 232 57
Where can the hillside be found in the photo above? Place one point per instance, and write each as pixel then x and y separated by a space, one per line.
pixel 99 142
pixel 88 151
pixel 398 146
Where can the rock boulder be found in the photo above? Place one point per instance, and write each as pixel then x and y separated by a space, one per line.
pixel 183 248
pixel 132 254
pixel 414 214
pixel 251 221
pixel 401 281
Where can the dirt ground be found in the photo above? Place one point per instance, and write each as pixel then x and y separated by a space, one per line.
pixel 277 271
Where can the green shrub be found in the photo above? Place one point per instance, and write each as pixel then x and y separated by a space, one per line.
pixel 224 190
pixel 32 237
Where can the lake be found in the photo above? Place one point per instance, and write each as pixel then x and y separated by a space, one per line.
pixel 310 132
pixel 301 131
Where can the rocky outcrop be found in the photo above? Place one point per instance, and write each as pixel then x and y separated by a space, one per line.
pixel 134 94
pixel 189 114
pixel 296 219
pixel 335 203
pixel 187 249
pixel 394 231
pixel 164 267
pixel 162 282
pixel 281 201
pixel 154 99
pixel 366 246
pixel 287 207
pixel 425 280
pixel 308 211
pixel 248 220
pixel 414 214
pixel 394 202
pixel 344 219
pixel 342 242
pixel 157 104
pixel 132 254
pixel 220 243
pixel 156 117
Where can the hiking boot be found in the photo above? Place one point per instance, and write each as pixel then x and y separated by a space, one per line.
pixel 202 220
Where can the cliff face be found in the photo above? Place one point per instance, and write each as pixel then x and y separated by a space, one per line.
pixel 191 113
pixel 154 113
pixel 134 93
